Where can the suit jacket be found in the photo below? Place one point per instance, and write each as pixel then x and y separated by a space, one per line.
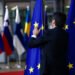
pixel 53 46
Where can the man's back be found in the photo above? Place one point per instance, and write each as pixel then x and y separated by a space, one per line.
pixel 53 46
pixel 55 51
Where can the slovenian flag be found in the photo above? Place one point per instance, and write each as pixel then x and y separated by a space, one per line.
pixel 18 39
pixel 6 36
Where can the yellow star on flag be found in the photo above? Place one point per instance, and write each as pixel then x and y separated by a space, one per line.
pixel 36 25
pixel 42 28
pixel 31 70
pixel 38 66
pixel 74 22
pixel 66 27
pixel 70 66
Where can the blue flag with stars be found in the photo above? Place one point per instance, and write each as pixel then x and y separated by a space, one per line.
pixel 33 54
pixel 70 28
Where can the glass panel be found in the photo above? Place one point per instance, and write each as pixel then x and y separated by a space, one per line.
pixel 1 21
pixel 1 8
pixel 1 14
pixel 22 17
pixel 67 6
pixel 51 7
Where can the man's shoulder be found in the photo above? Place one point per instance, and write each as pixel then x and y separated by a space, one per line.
pixel 63 33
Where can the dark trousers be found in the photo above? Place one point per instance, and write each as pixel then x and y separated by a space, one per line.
pixel 56 70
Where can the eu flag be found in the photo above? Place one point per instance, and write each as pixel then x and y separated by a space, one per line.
pixel 33 54
pixel 70 27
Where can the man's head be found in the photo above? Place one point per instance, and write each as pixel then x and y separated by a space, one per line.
pixel 58 19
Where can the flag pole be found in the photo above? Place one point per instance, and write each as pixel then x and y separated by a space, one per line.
pixel 18 65
pixel 8 63
pixel 19 61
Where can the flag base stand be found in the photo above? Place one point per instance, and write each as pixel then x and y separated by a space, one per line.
pixel 18 66
pixel 8 63
pixel 7 67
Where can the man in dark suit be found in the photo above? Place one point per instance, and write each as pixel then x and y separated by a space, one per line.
pixel 53 46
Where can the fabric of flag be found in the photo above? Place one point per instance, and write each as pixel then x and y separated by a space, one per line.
pixel 6 36
pixel 18 40
pixel 33 54
pixel 27 22
pixel 27 26
pixel 70 28
pixel 1 45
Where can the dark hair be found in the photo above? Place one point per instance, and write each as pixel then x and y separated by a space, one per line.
pixel 60 19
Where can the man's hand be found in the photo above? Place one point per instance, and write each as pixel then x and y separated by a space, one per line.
pixel 36 31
